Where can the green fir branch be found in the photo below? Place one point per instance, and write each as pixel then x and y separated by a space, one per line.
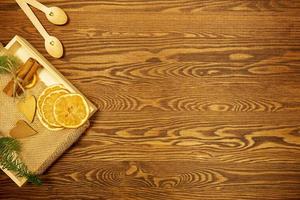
pixel 9 149
pixel 8 64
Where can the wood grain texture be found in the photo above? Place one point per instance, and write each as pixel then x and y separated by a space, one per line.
pixel 197 99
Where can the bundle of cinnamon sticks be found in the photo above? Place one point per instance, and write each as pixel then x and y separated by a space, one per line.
pixel 24 75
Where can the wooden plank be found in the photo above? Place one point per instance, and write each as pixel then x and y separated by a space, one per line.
pixel 197 99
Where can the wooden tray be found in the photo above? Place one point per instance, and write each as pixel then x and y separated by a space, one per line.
pixel 22 49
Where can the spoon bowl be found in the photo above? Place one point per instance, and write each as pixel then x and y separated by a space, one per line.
pixel 56 16
pixel 54 47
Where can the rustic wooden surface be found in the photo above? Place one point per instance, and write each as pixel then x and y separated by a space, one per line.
pixel 198 99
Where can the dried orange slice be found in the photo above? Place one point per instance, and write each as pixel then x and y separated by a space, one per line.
pixel 47 107
pixel 71 110
pixel 49 127
pixel 32 82
pixel 47 91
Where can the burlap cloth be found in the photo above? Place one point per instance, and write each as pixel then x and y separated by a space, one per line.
pixel 41 150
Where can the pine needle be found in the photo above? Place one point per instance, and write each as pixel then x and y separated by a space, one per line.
pixel 9 149
pixel 8 64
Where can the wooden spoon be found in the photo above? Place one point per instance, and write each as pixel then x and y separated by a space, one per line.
pixel 53 46
pixel 54 14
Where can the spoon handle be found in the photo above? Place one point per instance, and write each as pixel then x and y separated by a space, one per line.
pixel 38 5
pixel 24 6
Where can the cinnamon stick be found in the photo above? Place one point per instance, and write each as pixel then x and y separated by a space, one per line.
pixel 24 69
pixel 28 64
pixel 29 75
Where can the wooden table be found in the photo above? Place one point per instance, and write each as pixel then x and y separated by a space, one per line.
pixel 198 99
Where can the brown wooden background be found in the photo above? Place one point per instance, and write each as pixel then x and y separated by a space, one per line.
pixel 198 99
